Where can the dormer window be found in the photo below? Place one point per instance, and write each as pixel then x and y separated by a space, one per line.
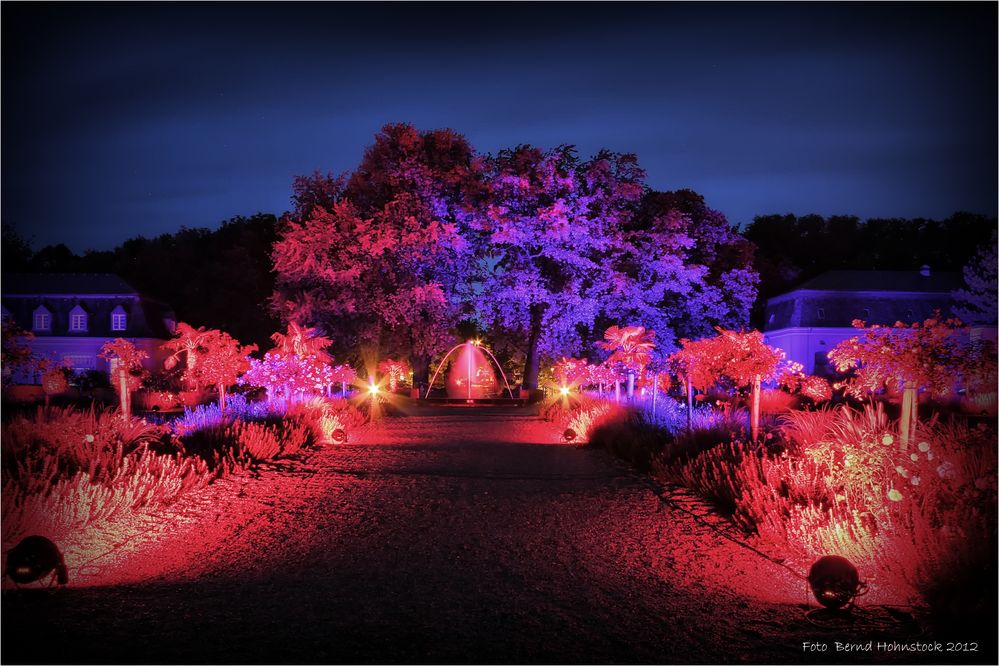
pixel 77 320
pixel 119 319
pixel 820 313
pixel 42 319
pixel 865 314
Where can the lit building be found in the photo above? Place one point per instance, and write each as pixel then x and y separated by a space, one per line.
pixel 810 320
pixel 72 315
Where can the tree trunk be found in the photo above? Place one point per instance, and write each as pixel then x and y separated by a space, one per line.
pixel 222 397
pixel 421 371
pixel 631 386
pixel 690 404
pixel 343 389
pixel 617 390
pixel 532 363
pixel 754 419
pixel 910 407
pixel 655 394
pixel 126 405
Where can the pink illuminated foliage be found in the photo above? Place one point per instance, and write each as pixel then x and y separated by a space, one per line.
pixel 631 348
pixel 740 358
pixel 380 259
pixel 212 358
pixel 395 371
pixel 936 355
pixel 128 372
pixel 297 367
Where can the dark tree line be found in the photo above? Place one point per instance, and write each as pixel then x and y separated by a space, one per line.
pixel 791 249
pixel 216 278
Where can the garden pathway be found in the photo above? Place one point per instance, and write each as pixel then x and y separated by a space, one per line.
pixel 466 536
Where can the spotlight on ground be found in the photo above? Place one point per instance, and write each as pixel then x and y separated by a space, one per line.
pixel 33 559
pixel 569 435
pixel 564 390
pixel 339 436
pixel 834 581
pixel 373 389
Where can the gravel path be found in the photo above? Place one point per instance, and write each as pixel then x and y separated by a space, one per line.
pixel 467 536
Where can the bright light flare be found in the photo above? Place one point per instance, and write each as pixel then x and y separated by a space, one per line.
pixel 373 390
pixel 564 390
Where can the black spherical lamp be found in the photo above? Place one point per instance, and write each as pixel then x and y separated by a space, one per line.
pixel 339 436
pixel 569 435
pixel 835 582
pixel 33 559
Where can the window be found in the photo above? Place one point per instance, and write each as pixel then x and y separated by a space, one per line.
pixel 865 314
pixel 77 320
pixel 119 320
pixel 81 362
pixel 42 319
pixel 820 313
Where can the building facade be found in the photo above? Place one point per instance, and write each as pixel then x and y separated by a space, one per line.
pixel 809 321
pixel 71 316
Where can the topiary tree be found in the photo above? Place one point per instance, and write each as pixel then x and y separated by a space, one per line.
pixel 632 350
pixel 741 357
pixel 934 355
pixel 126 360
pixel 212 357
pixel 396 371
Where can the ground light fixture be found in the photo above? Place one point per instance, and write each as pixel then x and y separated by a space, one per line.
pixel 33 559
pixel 373 389
pixel 564 390
pixel 569 435
pixel 339 436
pixel 835 582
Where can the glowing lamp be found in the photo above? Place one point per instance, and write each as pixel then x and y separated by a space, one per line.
pixel 373 389
pixel 338 436
pixel 34 558
pixel 564 390
pixel 834 581
pixel 569 435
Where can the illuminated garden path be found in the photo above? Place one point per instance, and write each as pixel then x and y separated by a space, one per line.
pixel 464 537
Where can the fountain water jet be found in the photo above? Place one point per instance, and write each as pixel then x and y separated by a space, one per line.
pixel 471 377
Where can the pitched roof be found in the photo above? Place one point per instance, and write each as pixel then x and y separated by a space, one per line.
pixel 935 282
pixel 64 283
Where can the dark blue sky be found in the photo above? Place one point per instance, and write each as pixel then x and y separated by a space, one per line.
pixel 120 120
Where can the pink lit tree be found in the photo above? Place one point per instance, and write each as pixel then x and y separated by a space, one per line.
pixel 212 358
pixel 396 372
pixel 299 365
pixel 935 355
pixel 740 357
pixel 127 373
pixel 380 258
pixel 632 350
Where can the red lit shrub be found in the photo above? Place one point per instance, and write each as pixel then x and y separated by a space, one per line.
pixel 910 521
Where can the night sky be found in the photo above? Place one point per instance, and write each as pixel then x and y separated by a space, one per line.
pixel 120 120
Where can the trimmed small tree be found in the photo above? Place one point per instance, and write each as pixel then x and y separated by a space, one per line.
pixel 741 357
pixel 632 349
pixel 128 370
pixel 934 355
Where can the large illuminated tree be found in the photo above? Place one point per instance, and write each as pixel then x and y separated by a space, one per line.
pixel 546 237
pixel 379 260
pixel 687 270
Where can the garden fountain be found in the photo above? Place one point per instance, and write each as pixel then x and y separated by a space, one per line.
pixel 471 376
